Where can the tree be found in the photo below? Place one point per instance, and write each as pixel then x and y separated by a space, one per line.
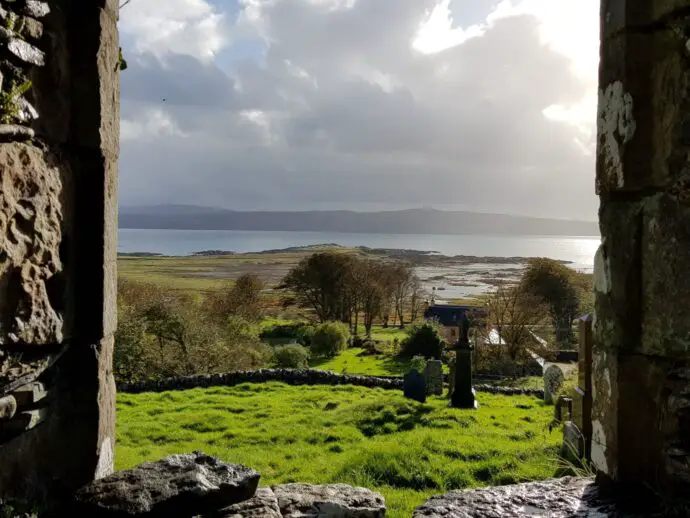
pixel 402 278
pixel 416 298
pixel 423 339
pixel 374 288
pixel 321 282
pixel 242 298
pixel 329 339
pixel 515 315
pixel 555 285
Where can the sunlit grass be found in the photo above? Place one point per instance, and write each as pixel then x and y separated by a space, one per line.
pixel 356 361
pixel 406 450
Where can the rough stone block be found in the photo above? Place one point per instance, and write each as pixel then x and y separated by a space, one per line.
pixel 618 283
pixel 619 14
pixel 96 122
pixel 31 223
pixel 643 111
pixel 8 407
pixel 263 504
pixel 179 485
pixel 96 293
pixel 666 290
pixel 51 90
pixel 30 394
pixel 31 28
pixel 558 498
pixel 325 501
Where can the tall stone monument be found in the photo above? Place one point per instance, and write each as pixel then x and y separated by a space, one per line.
pixel 59 138
pixel 463 392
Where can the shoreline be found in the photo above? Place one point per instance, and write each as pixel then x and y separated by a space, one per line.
pixel 410 255
pixel 449 277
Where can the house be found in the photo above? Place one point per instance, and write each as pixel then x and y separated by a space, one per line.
pixel 450 317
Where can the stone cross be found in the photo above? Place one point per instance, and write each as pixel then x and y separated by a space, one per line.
pixel 463 393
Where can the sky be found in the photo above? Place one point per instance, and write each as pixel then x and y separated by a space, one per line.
pixel 361 104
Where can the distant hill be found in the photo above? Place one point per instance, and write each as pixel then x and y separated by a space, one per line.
pixel 413 221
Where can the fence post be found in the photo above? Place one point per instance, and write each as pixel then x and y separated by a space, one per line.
pixel 584 388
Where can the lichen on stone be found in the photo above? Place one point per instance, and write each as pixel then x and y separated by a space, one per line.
pixel 616 127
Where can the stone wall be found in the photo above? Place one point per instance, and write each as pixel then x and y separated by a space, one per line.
pixel 641 356
pixel 292 377
pixel 59 133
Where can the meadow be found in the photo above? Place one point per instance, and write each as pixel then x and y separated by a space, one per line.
pixel 368 437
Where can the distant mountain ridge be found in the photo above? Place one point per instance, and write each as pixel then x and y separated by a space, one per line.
pixel 411 221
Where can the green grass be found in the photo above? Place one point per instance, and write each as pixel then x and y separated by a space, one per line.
pixel 354 361
pixel 406 450
pixel 527 382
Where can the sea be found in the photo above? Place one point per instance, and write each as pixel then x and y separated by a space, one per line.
pixel 577 250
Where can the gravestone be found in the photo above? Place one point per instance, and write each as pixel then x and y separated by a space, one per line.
pixel 573 446
pixel 553 381
pixel 463 395
pixel 451 376
pixel 414 386
pixel 433 373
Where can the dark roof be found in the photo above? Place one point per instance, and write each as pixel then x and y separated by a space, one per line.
pixel 449 315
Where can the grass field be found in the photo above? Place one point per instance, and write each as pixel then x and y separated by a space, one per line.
pixel 374 438
pixel 206 273
pixel 354 361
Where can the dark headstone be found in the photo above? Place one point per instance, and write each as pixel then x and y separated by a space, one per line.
pixel 463 392
pixel 414 386
pixel 179 485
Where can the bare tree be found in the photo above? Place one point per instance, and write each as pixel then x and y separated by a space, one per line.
pixel 416 297
pixel 515 314
pixel 402 279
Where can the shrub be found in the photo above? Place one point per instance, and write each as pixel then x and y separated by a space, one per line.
pixel 418 363
pixel 372 347
pixel 358 342
pixel 298 331
pixel 329 339
pixel 304 334
pixel 164 333
pixel 424 340
pixel 292 356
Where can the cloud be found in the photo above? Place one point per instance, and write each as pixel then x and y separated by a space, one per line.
pixel 344 103
pixel 191 27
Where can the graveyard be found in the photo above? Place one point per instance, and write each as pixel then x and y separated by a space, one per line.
pixel 406 450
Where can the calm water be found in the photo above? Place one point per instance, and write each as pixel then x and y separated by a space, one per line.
pixel 579 250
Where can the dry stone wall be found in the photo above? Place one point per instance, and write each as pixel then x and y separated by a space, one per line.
pixel 293 377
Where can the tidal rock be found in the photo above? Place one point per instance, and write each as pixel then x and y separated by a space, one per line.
pixel 26 52
pixel 180 485
pixel 263 504
pixel 328 501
